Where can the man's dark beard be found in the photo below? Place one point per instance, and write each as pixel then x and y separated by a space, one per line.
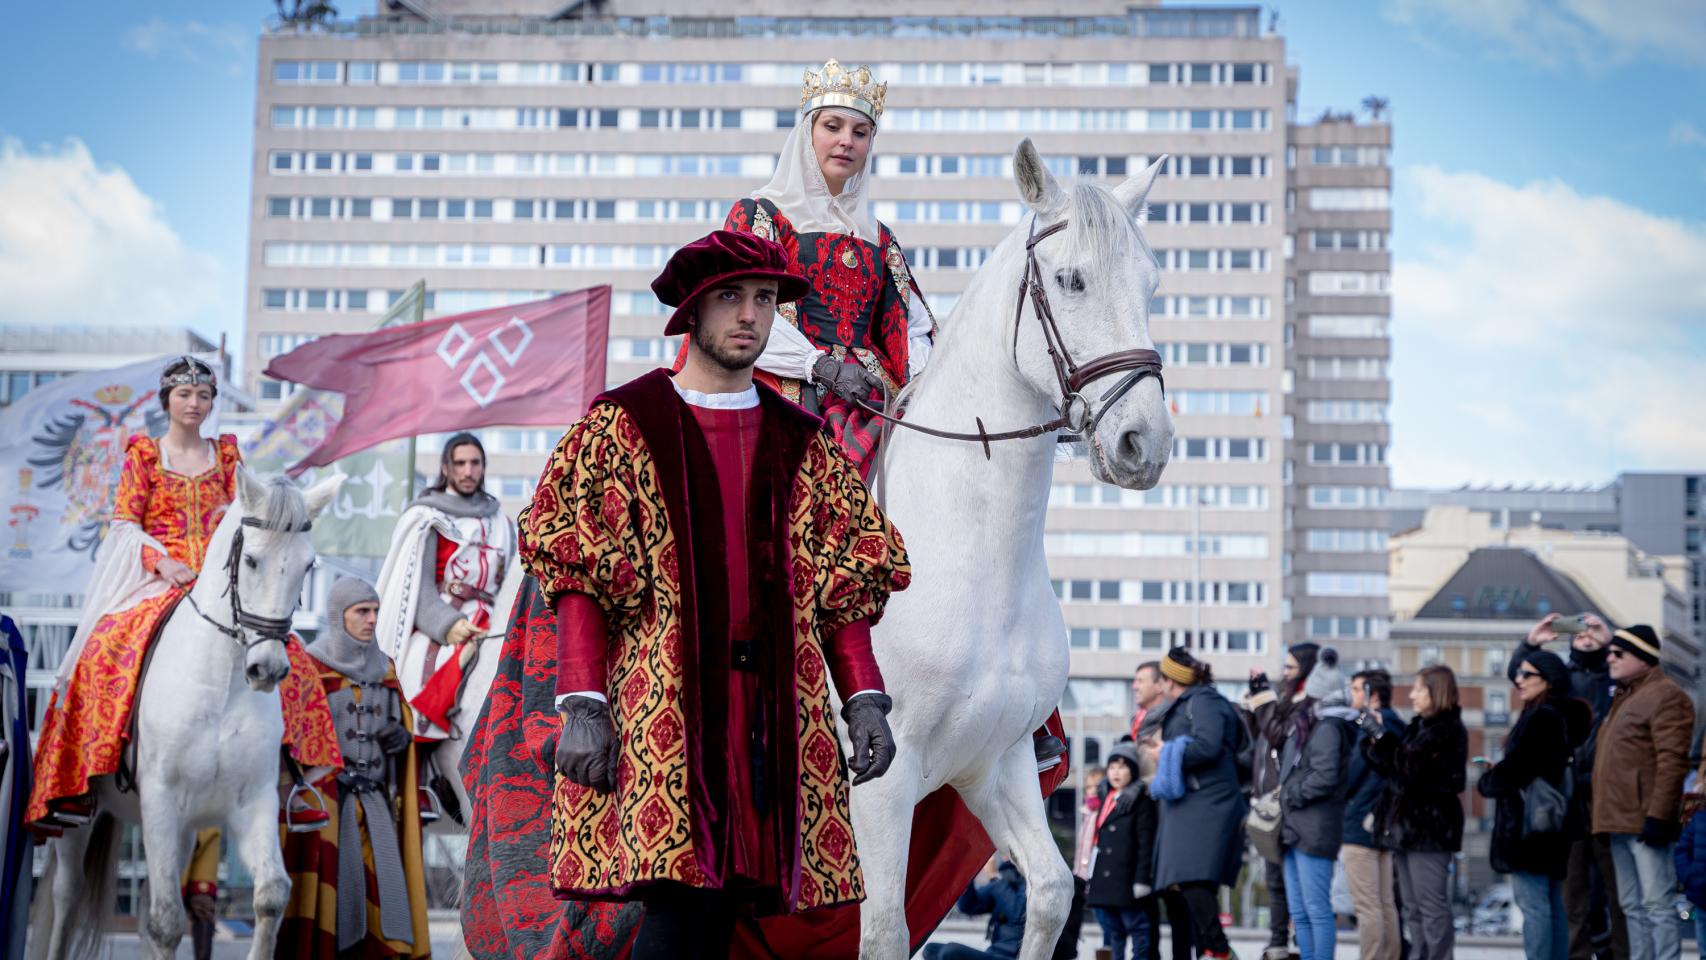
pixel 721 357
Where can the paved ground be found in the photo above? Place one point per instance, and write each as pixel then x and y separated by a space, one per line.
pixel 1246 943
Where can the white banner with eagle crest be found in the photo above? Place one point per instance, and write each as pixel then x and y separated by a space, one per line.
pixel 61 450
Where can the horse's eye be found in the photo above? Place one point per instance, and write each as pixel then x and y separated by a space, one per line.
pixel 1070 280
pixel 249 561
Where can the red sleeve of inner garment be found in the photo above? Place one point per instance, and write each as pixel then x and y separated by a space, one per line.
pixel 581 643
pixel 851 664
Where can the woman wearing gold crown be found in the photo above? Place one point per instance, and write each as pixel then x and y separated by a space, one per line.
pixel 864 328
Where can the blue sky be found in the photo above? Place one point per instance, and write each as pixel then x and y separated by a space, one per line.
pixel 1549 216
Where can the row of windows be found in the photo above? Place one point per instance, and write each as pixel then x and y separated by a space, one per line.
pixel 1099 543
pixel 497 209
pixel 1347 541
pixel 1346 368
pixel 1349 156
pixel 1202 212
pixel 1360 628
pixel 1045 119
pixel 1345 411
pixel 1162 497
pixel 1213 354
pixel 1349 198
pixel 1341 325
pixel 439 301
pixel 1219 261
pixel 1212 308
pixel 1347 454
pixel 1208 641
pixel 1250 593
pixel 1039 119
pixel 1070 165
pixel 1236 403
pixel 1011 73
pixel 1349 283
pixel 1220 449
pixel 749 165
pixel 1325 584
pixel 1361 240
pixel 1346 497
pixel 14 384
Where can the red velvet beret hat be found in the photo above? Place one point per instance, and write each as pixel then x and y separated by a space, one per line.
pixel 719 258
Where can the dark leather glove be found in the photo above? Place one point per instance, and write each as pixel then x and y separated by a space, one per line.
pixel 1371 724
pixel 868 728
pixel 1659 833
pixel 394 738
pixel 587 747
pixel 1259 683
pixel 849 381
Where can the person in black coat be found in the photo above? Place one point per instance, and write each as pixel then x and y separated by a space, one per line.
pixel 1122 868
pixel 1270 710
pixel 1313 765
pixel 1003 899
pixel 1420 813
pixel 1540 746
pixel 1597 926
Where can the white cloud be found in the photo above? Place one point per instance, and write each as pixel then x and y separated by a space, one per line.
pixel 1686 134
pixel 1557 337
pixel 80 243
pixel 220 44
pixel 1557 33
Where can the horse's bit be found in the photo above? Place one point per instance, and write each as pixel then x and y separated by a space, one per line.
pixel 266 628
pixel 1076 413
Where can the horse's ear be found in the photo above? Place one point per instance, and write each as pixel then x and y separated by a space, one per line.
pixel 251 492
pixel 1133 192
pixel 1037 187
pixel 320 495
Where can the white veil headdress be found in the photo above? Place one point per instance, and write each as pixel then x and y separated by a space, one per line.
pixel 799 190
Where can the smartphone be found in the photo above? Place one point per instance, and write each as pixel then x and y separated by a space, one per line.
pixel 1481 761
pixel 1569 625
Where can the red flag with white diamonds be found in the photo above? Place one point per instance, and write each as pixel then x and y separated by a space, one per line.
pixel 531 364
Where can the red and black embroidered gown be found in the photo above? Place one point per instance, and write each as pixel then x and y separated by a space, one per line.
pixel 857 312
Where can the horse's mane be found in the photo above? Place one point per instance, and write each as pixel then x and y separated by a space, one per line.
pixel 1101 232
pixel 285 508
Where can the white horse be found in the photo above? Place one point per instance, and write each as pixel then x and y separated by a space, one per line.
pixel 975 652
pixel 208 729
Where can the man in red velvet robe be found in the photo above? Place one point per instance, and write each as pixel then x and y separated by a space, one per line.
pixel 713 558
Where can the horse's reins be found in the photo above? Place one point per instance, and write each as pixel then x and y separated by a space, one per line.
pixel 266 628
pixel 1077 415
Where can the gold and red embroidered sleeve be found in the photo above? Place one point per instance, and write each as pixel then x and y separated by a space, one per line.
pixel 135 485
pixel 859 557
pixel 577 535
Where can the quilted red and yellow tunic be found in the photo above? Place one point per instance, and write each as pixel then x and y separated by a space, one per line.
pixel 629 513
pixel 82 735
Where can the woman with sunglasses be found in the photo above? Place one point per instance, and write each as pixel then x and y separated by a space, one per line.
pixel 1540 746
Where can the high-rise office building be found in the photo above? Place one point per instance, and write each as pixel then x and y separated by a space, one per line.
pixel 507 149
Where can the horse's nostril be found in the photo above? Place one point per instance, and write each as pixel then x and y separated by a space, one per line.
pixel 1131 445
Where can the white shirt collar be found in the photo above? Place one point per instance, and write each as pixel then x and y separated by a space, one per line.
pixel 745 400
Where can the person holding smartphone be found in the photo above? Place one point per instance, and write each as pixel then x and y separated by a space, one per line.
pixel 1590 893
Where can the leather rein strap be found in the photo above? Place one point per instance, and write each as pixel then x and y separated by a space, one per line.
pixel 1076 413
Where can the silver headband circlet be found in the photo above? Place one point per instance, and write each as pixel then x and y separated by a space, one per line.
pixel 197 374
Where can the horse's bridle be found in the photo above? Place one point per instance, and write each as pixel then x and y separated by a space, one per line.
pixel 1077 415
pixel 266 629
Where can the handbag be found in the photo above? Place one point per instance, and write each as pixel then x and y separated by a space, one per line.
pixel 1263 825
pixel 1545 808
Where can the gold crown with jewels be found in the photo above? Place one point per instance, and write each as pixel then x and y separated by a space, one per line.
pixel 837 86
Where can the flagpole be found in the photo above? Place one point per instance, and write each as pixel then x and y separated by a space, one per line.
pixel 410 309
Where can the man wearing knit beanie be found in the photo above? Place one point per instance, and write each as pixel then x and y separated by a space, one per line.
pixel 1638 771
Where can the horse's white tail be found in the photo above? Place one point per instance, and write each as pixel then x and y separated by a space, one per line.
pixel 89 911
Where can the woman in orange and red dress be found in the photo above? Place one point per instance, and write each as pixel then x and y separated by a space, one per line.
pixel 171 495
